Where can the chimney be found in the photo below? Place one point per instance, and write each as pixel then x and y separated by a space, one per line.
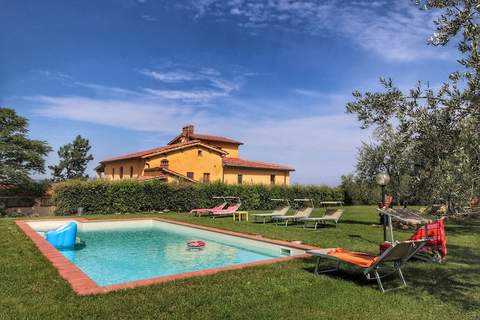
pixel 187 130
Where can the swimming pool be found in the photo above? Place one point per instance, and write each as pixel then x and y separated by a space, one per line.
pixel 128 252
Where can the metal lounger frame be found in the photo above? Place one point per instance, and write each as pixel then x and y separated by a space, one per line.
pixel 322 220
pixel 265 216
pixel 372 272
pixel 295 217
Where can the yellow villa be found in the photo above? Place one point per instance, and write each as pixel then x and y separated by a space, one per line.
pixel 195 158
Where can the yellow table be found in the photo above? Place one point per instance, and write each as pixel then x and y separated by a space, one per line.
pixel 240 215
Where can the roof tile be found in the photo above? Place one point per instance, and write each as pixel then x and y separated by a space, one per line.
pixel 213 138
pixel 237 162
pixel 143 153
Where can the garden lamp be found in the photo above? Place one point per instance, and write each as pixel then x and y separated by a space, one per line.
pixel 382 180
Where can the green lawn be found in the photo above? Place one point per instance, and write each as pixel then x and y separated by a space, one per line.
pixel 30 287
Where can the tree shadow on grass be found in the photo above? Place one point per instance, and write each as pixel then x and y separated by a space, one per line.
pixel 320 227
pixel 361 238
pixel 456 286
pixel 349 274
pixel 463 227
pixel 455 282
pixel 365 223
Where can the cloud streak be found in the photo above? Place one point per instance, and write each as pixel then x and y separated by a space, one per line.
pixel 169 77
pixel 396 31
pixel 192 96
pixel 214 85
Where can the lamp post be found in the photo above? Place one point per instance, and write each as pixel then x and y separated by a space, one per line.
pixel 383 179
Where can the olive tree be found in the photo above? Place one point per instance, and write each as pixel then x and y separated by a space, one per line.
pixel 429 140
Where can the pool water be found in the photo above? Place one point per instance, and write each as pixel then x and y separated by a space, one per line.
pixel 118 255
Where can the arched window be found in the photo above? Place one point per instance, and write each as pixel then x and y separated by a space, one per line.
pixel 113 173
pixel 131 172
pixel 121 172
pixel 164 163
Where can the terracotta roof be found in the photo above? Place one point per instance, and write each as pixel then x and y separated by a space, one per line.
pixel 164 172
pixel 207 137
pixel 174 173
pixel 237 162
pixel 214 138
pixel 149 152
pixel 146 178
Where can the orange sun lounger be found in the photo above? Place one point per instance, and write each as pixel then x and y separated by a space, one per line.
pixel 397 255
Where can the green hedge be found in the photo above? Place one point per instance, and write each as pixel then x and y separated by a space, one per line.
pixel 102 196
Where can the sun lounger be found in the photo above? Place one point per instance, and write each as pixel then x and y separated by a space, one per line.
pixel 228 212
pixel 207 211
pixel 333 216
pixel 300 214
pixel 397 255
pixel 408 216
pixel 275 213
pixel 435 248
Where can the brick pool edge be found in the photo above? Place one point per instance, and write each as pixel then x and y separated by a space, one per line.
pixel 81 284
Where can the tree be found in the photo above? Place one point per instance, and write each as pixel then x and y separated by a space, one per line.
pixel 74 158
pixel 429 141
pixel 359 191
pixel 19 156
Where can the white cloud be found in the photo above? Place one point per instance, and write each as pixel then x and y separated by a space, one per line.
pixel 131 114
pixel 309 93
pixel 209 85
pixel 197 96
pixel 105 90
pixel 149 18
pixel 169 77
pixel 396 31
pixel 55 75
pixel 213 83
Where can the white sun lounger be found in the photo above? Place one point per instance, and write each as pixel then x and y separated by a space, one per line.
pixel 333 216
pixel 275 213
pixel 300 214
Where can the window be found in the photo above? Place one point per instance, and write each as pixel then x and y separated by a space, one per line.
pixel 199 153
pixel 206 177
pixel 113 173
pixel 190 175
pixel 164 163
pixel 240 179
pixel 272 179
pixel 121 172
pixel 131 172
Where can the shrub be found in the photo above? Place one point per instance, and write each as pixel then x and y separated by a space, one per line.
pixel 103 196
pixel 21 195
pixel 358 191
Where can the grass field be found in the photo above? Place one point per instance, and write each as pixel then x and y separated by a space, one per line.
pixel 30 287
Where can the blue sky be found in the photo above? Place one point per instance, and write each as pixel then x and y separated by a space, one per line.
pixel 275 74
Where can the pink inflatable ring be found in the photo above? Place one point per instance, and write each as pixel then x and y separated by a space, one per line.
pixel 196 244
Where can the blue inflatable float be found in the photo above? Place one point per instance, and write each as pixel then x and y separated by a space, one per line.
pixel 63 237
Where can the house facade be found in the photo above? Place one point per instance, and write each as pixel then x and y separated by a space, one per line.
pixel 194 158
